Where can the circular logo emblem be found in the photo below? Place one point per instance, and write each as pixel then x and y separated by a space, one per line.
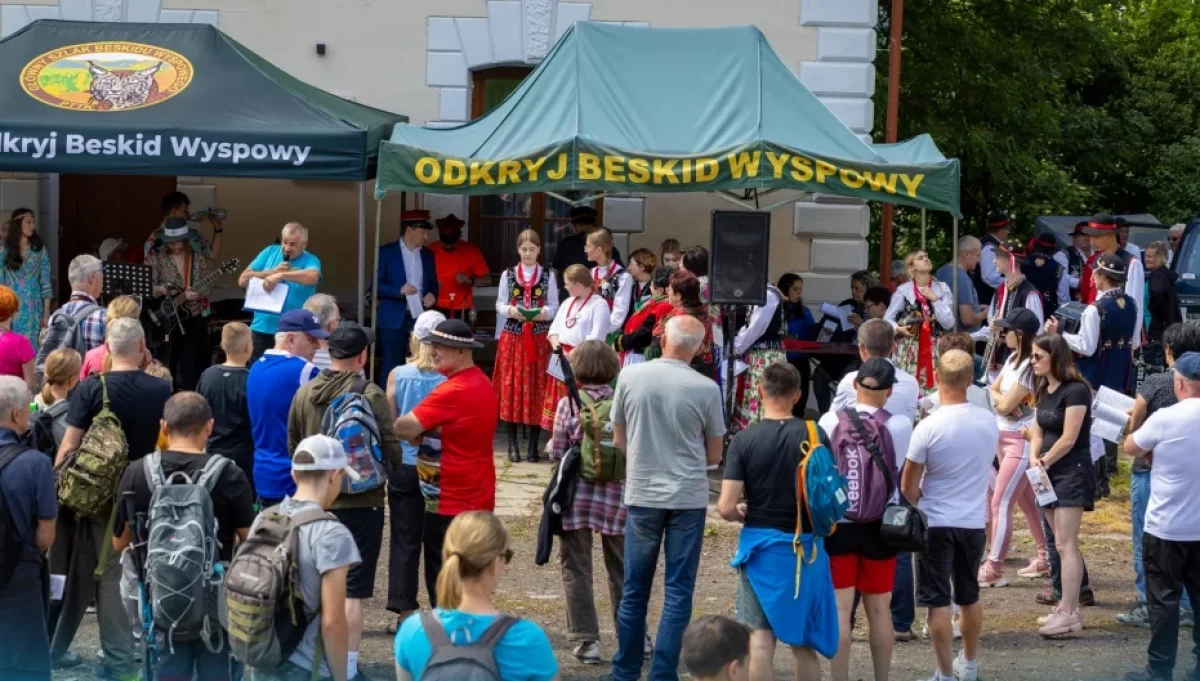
pixel 106 76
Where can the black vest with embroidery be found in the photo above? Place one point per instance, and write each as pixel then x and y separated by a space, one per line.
pixel 984 291
pixel 1111 364
pixel 607 286
pixel 1075 266
pixel 772 336
pixel 538 298
pixel 1044 272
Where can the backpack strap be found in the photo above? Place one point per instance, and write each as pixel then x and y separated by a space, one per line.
pixel 806 449
pixel 434 631
pixel 359 387
pixel 10 452
pixel 213 468
pixel 873 448
pixel 496 631
pixel 152 467
pixel 104 390
pixel 85 311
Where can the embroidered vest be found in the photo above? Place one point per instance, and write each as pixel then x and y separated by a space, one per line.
pixel 537 297
pixel 1111 364
pixel 772 336
pixel 606 280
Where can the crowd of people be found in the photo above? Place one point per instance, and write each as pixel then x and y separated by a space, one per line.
pixel 959 390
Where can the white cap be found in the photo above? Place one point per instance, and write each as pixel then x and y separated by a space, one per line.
pixel 426 322
pixel 327 454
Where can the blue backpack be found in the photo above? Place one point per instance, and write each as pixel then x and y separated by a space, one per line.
pixel 350 420
pixel 820 491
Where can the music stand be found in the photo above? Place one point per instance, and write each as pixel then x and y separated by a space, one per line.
pixel 127 279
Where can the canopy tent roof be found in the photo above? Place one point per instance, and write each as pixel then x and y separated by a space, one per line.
pixel 625 109
pixel 171 99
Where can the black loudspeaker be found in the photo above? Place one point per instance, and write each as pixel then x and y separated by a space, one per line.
pixel 737 273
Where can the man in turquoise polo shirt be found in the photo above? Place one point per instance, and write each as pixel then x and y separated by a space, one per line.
pixel 287 262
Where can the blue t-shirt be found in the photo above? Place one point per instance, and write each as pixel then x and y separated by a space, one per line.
pixel 27 484
pixel 412 386
pixel 298 294
pixel 524 654
pixel 967 295
pixel 273 382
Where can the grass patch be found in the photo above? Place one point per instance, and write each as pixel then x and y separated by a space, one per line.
pixel 1112 514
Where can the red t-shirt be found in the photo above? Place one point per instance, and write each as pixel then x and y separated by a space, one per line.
pixel 466 258
pixel 464 407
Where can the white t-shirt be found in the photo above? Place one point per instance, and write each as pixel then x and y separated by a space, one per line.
pixel 1011 375
pixel 956 444
pixel 1173 513
pixel 899 427
pixel 975 395
pixel 903 401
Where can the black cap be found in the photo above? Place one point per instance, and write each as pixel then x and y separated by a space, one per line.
pixel 1020 319
pixel 349 340
pixel 1111 266
pixel 876 374
pixel 452 333
pixel 1014 247
pixel 998 220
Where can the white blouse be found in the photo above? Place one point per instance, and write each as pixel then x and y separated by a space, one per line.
pixel 590 320
pixel 756 326
pixel 906 294
pixel 549 308
pixel 624 282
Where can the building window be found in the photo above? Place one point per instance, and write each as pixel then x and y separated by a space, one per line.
pixel 497 219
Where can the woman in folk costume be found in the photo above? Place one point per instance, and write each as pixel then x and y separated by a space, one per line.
pixel 758 343
pixel 525 306
pixel 583 316
pixel 695 260
pixel 920 311
pixel 641 266
pixel 612 283
pixel 683 294
pixel 639 328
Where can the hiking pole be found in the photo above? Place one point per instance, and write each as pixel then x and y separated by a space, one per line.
pixel 145 612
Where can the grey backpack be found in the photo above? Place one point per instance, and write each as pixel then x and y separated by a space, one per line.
pixel 468 662
pixel 182 578
pixel 62 331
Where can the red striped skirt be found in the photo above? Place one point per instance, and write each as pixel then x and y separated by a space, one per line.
pixel 520 380
pixel 555 391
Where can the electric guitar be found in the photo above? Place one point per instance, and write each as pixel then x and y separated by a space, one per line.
pixel 165 312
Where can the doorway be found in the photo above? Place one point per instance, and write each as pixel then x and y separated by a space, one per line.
pixel 93 208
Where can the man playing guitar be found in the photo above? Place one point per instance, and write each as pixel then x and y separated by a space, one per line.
pixel 175 268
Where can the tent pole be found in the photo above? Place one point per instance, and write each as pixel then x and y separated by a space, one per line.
pixel 922 229
pixel 890 130
pixel 362 252
pixel 375 281
pixel 954 245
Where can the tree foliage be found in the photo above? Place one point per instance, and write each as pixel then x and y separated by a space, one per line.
pixel 1053 107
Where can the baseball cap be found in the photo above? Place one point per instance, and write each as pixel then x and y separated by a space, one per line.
pixel 1112 267
pixel 302 321
pixel 349 340
pixel 1021 319
pixel 876 374
pixel 426 322
pixel 327 454
pixel 1188 366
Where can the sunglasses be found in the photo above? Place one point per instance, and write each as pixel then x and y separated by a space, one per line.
pixel 1037 356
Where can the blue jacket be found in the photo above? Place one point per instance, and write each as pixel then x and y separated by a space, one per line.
pixel 393 308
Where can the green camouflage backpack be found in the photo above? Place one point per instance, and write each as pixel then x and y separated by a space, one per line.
pixel 88 477
pixel 599 459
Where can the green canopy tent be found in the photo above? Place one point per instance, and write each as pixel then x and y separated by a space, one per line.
pixel 174 99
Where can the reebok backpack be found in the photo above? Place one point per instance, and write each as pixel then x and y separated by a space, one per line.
pixel 10 548
pixel 467 662
pixel 264 610
pixel 600 460
pixel 63 331
pixel 820 489
pixel 182 575
pixel 867 483
pixel 350 420
pixel 87 479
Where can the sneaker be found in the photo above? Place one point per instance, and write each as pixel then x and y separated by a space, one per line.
pixel 1145 675
pixel 588 652
pixel 1138 616
pixel 648 648
pixel 1061 624
pixel 67 660
pixel 1087 598
pixel 1037 568
pixel 1046 618
pixel 991 576
pixel 1048 597
pixel 905 636
pixel 957 632
pixel 964 670
pixel 937 676
pixel 1187 618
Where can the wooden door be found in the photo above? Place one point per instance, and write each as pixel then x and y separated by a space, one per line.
pixel 93 208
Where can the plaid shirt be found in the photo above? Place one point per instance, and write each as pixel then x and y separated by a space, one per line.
pixel 598 506
pixel 94 325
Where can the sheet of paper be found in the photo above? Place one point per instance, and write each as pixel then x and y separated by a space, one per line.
pixel 554 368
pixel 415 308
pixel 739 367
pixel 840 313
pixel 1110 414
pixel 1042 488
pixel 259 299
pixel 58 584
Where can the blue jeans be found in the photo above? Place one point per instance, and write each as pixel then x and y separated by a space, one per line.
pixel 1139 499
pixel 646 530
pixel 904 604
pixel 393 349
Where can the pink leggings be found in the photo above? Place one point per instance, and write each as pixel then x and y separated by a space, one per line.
pixel 1012 487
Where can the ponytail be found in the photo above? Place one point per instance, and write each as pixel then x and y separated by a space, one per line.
pixel 473 542
pixel 449 583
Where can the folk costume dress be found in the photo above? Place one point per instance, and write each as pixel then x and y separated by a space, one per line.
pixel 523 352
pixel 639 329
pixel 577 320
pixel 915 354
pixel 615 285
pixel 705 360
pixel 758 343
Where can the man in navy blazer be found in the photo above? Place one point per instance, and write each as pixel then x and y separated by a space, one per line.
pixel 406 268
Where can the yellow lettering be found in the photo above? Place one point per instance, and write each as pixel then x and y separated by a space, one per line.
pixel 878 181
pixel 533 166
pixel 428 170
pixel 562 168
pixel 456 172
pixel 482 171
pixel 777 162
pixel 687 171
pixel 510 172
pixel 824 170
pixel 851 178
pixel 589 166
pixel 706 169
pixel 801 169
pixel 911 184
pixel 665 170
pixel 614 169
pixel 744 163
pixel 639 170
